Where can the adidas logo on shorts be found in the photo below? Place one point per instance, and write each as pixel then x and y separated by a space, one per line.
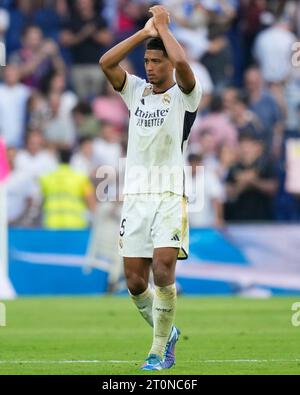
pixel 175 238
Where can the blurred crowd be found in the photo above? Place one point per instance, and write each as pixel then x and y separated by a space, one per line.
pixel 59 116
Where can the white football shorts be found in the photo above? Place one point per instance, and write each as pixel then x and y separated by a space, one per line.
pixel 151 221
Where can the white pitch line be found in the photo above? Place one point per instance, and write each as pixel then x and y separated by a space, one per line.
pixel 61 362
pixel 210 361
pixel 247 360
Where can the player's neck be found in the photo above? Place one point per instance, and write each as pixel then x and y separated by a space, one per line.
pixel 161 88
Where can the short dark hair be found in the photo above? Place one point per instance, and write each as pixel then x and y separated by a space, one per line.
pixel 157 44
pixel 251 135
pixel 65 155
pixel 83 107
pixel 84 139
pixel 195 157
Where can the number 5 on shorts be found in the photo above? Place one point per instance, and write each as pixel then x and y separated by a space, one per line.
pixel 122 230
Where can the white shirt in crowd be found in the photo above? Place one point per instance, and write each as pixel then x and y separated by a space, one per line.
pixel 36 165
pixel 201 191
pixel 203 77
pixel 20 188
pixel 106 153
pixel 82 164
pixel 273 51
pixel 12 122
pixel 68 101
pixel 60 130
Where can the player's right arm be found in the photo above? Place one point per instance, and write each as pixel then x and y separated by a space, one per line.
pixel 110 61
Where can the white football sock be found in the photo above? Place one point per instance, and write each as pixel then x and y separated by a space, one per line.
pixel 144 303
pixel 164 306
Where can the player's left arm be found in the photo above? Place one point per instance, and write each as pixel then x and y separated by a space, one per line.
pixel 184 75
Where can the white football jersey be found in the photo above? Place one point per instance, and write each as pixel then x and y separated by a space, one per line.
pixel 159 128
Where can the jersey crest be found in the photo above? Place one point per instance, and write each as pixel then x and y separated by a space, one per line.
pixel 166 99
pixel 147 91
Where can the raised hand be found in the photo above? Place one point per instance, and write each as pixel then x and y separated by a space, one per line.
pixel 161 16
pixel 150 28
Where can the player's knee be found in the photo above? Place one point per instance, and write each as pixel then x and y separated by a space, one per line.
pixel 163 271
pixel 136 284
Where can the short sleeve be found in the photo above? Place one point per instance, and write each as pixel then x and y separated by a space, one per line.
pixel 192 99
pixel 131 89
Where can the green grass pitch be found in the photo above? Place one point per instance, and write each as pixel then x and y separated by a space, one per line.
pixel 106 335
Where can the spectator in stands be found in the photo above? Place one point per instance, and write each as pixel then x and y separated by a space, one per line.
pixel 20 192
pixel 35 159
pixel 265 107
pixel 21 15
pixel 83 160
pixel 59 131
pixel 128 15
pixel 205 193
pixel 37 111
pixel 67 196
pixel 292 98
pixel 51 16
pixel 222 12
pixel 203 76
pixel 292 11
pixel 251 183
pixel 207 85
pixel 87 36
pixel 37 58
pixel 87 125
pixel 227 157
pixel 107 147
pixel 244 119
pixel 110 108
pixel 251 25
pixel 229 98
pixel 13 101
pixel 273 51
pixel 219 125
pixel 190 25
pixel 218 59
pixel 206 147
pixel 57 84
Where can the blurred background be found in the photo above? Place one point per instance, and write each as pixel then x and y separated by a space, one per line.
pixel 60 121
